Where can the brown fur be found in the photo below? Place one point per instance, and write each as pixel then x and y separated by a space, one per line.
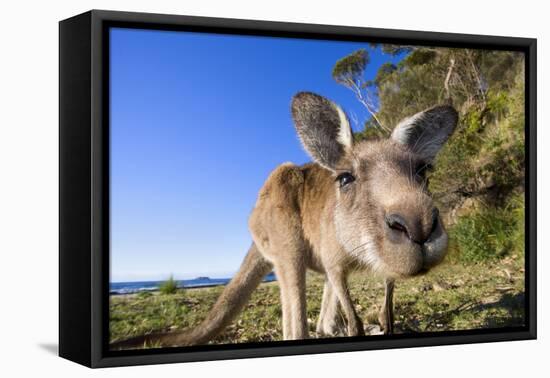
pixel 305 218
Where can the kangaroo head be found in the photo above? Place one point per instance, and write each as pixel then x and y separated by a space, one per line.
pixel 382 211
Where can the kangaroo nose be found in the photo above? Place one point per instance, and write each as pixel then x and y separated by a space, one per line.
pixel 413 228
pixel 397 222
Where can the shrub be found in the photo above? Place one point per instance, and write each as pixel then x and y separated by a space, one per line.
pixel 169 286
pixel 490 233
pixel 144 294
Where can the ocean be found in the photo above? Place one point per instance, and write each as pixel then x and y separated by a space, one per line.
pixel 139 286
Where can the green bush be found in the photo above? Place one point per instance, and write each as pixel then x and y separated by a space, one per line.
pixel 490 233
pixel 169 286
pixel 517 208
pixel 144 294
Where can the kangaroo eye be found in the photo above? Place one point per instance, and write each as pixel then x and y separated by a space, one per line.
pixel 345 179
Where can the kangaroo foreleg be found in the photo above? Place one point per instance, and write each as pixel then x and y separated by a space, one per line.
pixel 385 316
pixel 292 282
pixel 339 284
pixel 330 321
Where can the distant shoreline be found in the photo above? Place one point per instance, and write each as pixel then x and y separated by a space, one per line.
pixel 194 288
pixel 135 287
pixel 153 291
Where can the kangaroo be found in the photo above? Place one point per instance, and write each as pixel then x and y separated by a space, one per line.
pixel 359 206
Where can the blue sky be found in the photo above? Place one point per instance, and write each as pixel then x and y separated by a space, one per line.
pixel 198 121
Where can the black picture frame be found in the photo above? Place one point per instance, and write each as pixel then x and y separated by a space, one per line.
pixel 84 187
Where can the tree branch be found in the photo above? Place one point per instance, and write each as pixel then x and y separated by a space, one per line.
pixel 448 78
pixel 476 75
pixel 367 103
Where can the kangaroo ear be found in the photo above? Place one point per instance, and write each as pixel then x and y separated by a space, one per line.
pixel 322 127
pixel 426 132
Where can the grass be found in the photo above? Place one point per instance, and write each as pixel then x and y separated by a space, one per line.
pixel 454 296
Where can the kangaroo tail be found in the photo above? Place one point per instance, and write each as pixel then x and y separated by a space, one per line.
pixel 229 304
